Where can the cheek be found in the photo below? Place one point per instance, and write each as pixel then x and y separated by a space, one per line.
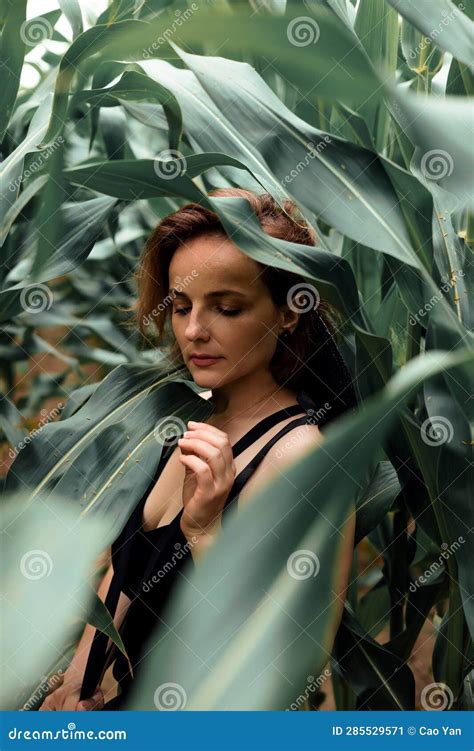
pixel 252 341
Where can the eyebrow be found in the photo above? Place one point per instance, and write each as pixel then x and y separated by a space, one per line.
pixel 216 293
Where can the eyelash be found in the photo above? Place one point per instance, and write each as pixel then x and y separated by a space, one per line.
pixel 225 311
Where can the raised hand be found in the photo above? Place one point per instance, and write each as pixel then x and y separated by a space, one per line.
pixel 210 472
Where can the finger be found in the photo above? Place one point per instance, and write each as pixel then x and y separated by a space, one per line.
pixel 222 465
pixel 70 703
pixel 94 703
pixel 202 472
pixel 193 424
pixel 98 701
pixel 211 454
pixel 220 441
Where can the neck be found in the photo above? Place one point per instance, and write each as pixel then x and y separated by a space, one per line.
pixel 249 397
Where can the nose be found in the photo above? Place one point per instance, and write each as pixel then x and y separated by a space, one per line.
pixel 195 328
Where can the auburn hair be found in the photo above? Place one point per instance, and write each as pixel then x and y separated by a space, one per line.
pixel 289 364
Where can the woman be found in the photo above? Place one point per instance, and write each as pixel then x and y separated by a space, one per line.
pixel 238 327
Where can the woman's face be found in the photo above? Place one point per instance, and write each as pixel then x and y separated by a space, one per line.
pixel 222 308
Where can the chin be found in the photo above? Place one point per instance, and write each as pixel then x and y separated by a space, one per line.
pixel 203 379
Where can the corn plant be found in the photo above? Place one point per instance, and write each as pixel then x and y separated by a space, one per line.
pixel 360 113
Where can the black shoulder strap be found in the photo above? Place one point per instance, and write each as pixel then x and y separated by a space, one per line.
pixel 244 475
pixel 263 426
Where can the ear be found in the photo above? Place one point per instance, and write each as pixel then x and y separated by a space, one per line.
pixel 288 319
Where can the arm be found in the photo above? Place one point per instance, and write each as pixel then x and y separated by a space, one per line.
pixel 66 696
pixel 77 667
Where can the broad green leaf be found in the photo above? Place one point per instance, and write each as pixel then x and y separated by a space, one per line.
pixel 333 274
pixel 208 130
pixel 12 166
pixel 134 40
pixel 106 452
pixel 345 185
pixel 145 178
pixel 101 619
pixel 452 257
pixel 443 23
pixel 376 26
pixel 443 155
pixel 343 8
pixel 12 52
pixel 419 604
pixel 73 13
pixel 48 225
pixel 379 678
pixel 26 195
pixel 377 499
pixel 373 609
pixel 420 54
pixel 82 223
pixel 44 586
pixel 11 421
pixel 105 329
pixel 449 431
pixel 77 399
pixel 135 86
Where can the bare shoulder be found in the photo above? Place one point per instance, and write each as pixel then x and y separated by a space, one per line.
pixel 288 449
pixel 294 444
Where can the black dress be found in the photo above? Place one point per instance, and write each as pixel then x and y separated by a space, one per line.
pixel 146 565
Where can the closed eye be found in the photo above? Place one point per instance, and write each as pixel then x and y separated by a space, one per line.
pixel 223 311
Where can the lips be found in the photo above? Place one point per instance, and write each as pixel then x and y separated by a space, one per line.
pixel 204 359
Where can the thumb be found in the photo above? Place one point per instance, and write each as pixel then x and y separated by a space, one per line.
pixel 96 701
